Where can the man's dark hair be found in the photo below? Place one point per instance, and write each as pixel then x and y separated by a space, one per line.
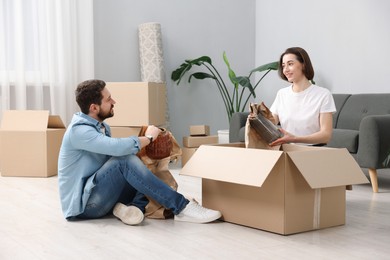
pixel 302 57
pixel 89 92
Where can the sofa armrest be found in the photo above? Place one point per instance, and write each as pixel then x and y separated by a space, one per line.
pixel 374 141
pixel 237 121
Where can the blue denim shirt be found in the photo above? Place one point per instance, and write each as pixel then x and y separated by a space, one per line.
pixel 85 148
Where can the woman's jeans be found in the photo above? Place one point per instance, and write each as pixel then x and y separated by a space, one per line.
pixel 126 179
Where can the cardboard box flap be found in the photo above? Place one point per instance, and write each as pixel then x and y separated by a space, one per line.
pixel 25 120
pixel 324 168
pixel 226 164
pixel 55 122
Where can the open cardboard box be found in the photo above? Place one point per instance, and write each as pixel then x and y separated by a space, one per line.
pixel 297 189
pixel 30 142
pixel 186 154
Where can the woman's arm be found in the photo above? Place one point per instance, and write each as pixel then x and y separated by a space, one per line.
pixel 322 136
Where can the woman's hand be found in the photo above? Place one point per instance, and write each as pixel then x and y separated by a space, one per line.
pixel 287 138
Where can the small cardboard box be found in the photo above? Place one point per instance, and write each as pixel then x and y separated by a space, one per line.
pixel 199 130
pixel 30 143
pixel 196 141
pixel 138 103
pixel 186 154
pixel 297 189
pixel 124 131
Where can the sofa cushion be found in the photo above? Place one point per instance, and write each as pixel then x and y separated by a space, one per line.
pixel 345 138
pixel 241 134
pixel 339 100
pixel 360 105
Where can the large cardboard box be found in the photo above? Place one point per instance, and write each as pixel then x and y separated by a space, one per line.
pixel 297 189
pixel 124 131
pixel 138 103
pixel 30 142
pixel 186 154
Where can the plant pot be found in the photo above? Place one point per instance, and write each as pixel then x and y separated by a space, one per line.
pixel 223 136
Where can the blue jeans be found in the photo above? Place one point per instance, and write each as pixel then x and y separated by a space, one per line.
pixel 126 179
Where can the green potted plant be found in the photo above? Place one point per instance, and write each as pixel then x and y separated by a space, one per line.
pixel 235 99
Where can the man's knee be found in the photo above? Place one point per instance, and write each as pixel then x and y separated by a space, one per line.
pixel 131 160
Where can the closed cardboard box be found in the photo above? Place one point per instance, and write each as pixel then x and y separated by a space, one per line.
pixel 30 143
pixel 124 131
pixel 196 141
pixel 297 189
pixel 199 130
pixel 138 103
pixel 186 154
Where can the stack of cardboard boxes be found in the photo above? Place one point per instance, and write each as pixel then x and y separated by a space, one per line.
pixel 137 104
pixel 30 140
pixel 199 134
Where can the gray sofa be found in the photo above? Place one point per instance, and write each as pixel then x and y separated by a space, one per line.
pixel 361 124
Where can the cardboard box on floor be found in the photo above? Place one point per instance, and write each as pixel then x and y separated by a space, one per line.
pixel 196 141
pixel 138 103
pixel 186 154
pixel 298 189
pixel 30 142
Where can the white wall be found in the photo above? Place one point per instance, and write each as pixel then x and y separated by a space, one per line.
pixel 190 28
pixel 348 42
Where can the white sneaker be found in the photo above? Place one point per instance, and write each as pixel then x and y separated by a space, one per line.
pixel 130 215
pixel 195 213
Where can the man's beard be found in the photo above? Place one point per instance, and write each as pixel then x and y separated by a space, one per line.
pixel 104 115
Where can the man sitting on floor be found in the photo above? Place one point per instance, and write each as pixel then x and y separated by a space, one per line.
pixel 99 174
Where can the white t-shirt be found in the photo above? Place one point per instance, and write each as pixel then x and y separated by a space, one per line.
pixel 299 112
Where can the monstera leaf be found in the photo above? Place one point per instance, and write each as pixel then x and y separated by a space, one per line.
pixel 233 98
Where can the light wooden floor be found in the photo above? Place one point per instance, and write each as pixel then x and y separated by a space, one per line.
pixel 32 227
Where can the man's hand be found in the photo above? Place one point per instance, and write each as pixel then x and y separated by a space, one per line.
pixel 153 131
